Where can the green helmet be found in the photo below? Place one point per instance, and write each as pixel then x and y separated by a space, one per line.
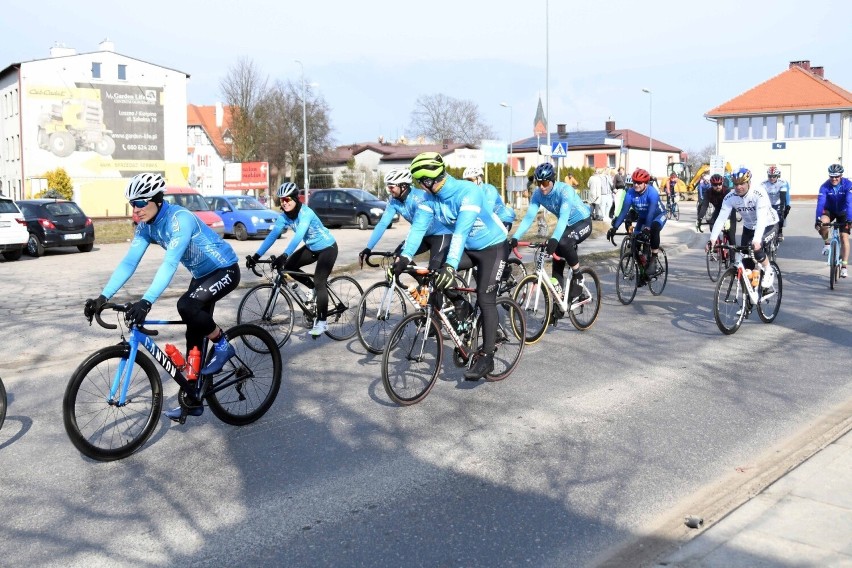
pixel 427 165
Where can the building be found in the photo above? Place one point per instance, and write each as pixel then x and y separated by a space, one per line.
pixel 208 146
pixel 101 116
pixel 798 121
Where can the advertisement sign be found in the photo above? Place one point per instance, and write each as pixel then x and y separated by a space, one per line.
pixel 495 151
pixel 247 175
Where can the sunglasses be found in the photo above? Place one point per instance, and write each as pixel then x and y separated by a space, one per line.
pixel 286 199
pixel 773 176
pixel 426 182
pixel 139 203
pixel 390 185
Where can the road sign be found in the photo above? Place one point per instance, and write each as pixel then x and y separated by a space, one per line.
pixel 495 151
pixel 247 175
pixel 779 145
pixel 559 149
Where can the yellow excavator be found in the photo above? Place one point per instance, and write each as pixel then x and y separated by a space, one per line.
pixel 684 173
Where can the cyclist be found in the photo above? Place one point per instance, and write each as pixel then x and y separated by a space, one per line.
pixel 703 189
pixel 835 204
pixel 778 191
pixel 320 247
pixel 461 206
pixel 188 241
pixel 650 215
pixel 719 188
pixel 504 212
pixel 671 190
pixel 406 201
pixel 573 226
pixel 759 219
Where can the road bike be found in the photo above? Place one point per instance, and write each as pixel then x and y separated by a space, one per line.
pixel 415 349
pixel 672 209
pixel 633 267
pixel 718 258
pixel 112 402
pixel 270 305
pixel 2 403
pixel 835 263
pixel 544 302
pixel 740 289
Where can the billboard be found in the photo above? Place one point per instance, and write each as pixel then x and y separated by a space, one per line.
pixel 247 175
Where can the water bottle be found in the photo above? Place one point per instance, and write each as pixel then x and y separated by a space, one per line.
pixel 415 294
pixel 193 364
pixel 175 355
pixel 556 286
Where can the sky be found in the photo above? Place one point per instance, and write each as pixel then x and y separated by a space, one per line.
pixel 371 60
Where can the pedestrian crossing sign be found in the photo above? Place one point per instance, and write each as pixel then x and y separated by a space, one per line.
pixel 559 149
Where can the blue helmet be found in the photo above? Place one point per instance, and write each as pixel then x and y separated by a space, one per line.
pixel 742 175
pixel 545 172
pixel 835 170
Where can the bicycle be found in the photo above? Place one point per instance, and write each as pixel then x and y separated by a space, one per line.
pixel 536 294
pixel 270 305
pixel 672 209
pixel 415 348
pixel 718 258
pixel 835 263
pixel 113 400
pixel 632 271
pixel 2 403
pixel 739 290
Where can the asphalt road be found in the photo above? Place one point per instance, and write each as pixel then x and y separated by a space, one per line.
pixel 597 437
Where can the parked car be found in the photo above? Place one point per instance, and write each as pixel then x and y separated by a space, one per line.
pixel 56 223
pixel 346 206
pixel 13 230
pixel 243 215
pixel 194 201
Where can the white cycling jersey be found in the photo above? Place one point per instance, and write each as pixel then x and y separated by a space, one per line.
pixel 773 190
pixel 755 209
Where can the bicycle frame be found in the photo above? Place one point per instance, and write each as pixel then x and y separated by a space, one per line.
pixel 280 285
pixel 544 279
pixel 752 291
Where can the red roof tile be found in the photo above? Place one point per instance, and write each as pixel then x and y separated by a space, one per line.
pixel 205 117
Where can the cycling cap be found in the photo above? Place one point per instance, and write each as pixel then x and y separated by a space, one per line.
pixel 835 170
pixel 397 177
pixel 472 172
pixel 427 165
pixel 640 176
pixel 717 179
pixel 773 172
pixel 742 175
pixel 144 186
pixel 545 172
pixel 287 189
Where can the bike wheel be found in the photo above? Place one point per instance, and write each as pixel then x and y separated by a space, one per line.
pixel 2 403
pixel 509 346
pixel 676 212
pixel 626 279
pixel 516 272
pixel 625 251
pixel 412 359
pixel 101 429
pixel 344 296
pixel 714 260
pixel 658 282
pixel 769 300
pixel 730 299
pixel 833 264
pixel 380 309
pixel 247 385
pixel 536 303
pixel 584 316
pixel 264 306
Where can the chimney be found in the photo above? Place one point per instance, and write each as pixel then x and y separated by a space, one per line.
pixel 446 143
pixel 804 64
pixel 560 129
pixel 609 125
pixel 220 115
pixel 106 45
pixel 59 50
pixel 818 71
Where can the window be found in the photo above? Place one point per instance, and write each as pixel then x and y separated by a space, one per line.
pixel 96 70
pixel 820 124
pixel 834 124
pixel 730 127
pixel 771 127
pixel 590 160
pixel 611 160
pixel 122 72
pixel 789 126
pixel 804 124
pixel 742 128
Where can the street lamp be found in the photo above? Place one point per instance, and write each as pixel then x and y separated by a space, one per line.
pixel 304 131
pixel 650 126
pixel 511 148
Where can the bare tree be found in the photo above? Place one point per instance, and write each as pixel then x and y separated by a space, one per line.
pixel 696 158
pixel 441 117
pixel 245 91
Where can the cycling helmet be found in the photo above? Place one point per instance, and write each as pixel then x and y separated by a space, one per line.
pixel 398 177
pixel 742 175
pixel 144 186
pixel 640 176
pixel 287 189
pixel 835 170
pixel 717 179
pixel 773 172
pixel 428 165
pixel 472 172
pixel 545 172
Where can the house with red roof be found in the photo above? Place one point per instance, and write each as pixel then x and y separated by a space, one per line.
pixel 208 146
pixel 798 121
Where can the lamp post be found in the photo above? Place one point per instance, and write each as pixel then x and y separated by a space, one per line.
pixel 304 131
pixel 650 126
pixel 511 148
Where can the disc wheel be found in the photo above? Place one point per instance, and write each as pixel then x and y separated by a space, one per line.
pixel 769 300
pixel 536 304
pixel 730 302
pixel 585 315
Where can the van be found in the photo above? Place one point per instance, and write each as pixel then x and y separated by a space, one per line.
pixel 190 199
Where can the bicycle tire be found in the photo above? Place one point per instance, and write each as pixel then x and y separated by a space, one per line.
pixel 517 272
pixel 536 304
pixel 626 279
pixel 255 306
pixel 833 264
pixel 767 308
pixel 375 321
pixel 104 431
pixel 342 319
pixel 411 343
pixel 729 302
pixel 658 283
pixel 509 346
pixel 3 402
pixel 676 209
pixel 248 384
pixel 714 260
pixel 583 317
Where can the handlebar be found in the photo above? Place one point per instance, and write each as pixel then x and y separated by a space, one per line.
pixel 123 308
pixel 538 245
pixel 383 255
pixel 269 260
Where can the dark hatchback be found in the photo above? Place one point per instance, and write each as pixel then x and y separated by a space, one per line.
pixel 56 223
pixel 347 206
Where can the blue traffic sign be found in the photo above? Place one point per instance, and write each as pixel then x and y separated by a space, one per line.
pixel 559 149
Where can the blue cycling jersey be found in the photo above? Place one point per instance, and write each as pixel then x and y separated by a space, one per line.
pixel 775 189
pixel 647 206
pixel 462 206
pixel 408 209
pixel 835 199
pixel 562 201
pixel 305 226
pixel 187 241
pixel 505 213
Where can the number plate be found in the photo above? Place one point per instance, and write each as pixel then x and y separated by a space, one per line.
pixel 72 237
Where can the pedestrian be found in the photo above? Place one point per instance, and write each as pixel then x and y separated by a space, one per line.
pixel 606 200
pixel 594 196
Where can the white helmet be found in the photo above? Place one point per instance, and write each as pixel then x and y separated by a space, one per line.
pixel 287 189
pixel 144 186
pixel 472 172
pixel 397 177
